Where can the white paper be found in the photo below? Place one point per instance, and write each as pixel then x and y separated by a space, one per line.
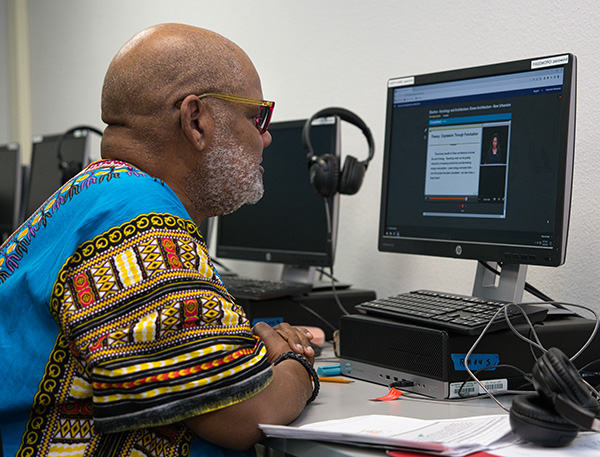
pixel 447 437
pixel 587 444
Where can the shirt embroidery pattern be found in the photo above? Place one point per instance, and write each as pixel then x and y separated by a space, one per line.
pixel 15 248
pixel 148 335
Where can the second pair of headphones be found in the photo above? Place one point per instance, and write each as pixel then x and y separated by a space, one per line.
pixel 70 168
pixel 324 170
pixel 563 405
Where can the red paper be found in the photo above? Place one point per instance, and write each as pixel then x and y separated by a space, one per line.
pixel 415 454
pixel 393 394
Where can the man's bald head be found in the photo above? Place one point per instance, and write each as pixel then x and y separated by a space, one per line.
pixel 208 151
pixel 163 64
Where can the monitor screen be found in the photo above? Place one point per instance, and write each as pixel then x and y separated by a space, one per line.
pixel 289 225
pixel 10 187
pixel 478 162
pixel 45 175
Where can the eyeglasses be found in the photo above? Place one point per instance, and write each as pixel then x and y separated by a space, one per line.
pixel 264 115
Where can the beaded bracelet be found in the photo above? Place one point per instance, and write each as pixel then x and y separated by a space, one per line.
pixel 307 365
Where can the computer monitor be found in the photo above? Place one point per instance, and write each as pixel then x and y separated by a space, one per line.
pixel 46 174
pixel 289 225
pixel 478 164
pixel 10 188
pixel 206 229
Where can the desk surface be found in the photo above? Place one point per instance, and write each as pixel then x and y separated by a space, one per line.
pixel 337 401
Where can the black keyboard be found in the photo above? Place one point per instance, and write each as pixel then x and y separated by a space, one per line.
pixel 457 313
pixel 262 289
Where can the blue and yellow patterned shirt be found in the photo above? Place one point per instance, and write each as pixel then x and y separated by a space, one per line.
pixel 115 326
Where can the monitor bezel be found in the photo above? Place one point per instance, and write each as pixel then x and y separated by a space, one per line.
pixel 489 251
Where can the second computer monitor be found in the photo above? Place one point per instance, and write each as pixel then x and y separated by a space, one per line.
pixel 10 187
pixel 289 225
pixel 46 174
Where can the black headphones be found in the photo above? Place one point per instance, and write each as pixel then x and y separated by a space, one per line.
pixel 563 404
pixel 324 171
pixel 72 167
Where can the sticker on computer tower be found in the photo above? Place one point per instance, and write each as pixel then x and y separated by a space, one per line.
pixel 272 321
pixel 472 388
pixel 476 361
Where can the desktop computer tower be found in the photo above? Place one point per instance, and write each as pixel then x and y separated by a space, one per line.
pixel 317 308
pixel 430 361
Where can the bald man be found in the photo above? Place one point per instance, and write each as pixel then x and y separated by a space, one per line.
pixel 118 336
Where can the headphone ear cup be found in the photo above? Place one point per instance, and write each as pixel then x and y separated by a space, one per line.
pixel 324 174
pixel 553 416
pixel 533 419
pixel 554 373
pixel 352 175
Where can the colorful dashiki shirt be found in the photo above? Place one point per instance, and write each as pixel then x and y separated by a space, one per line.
pixel 115 326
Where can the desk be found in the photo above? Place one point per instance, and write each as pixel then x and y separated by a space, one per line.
pixel 336 401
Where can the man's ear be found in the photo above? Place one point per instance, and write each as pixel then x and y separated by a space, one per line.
pixel 197 122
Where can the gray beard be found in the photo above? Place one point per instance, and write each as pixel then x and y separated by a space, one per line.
pixel 226 180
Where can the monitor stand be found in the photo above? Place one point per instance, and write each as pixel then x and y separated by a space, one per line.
pixel 297 273
pixel 509 286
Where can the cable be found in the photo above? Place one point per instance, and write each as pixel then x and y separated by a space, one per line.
pixel 331 255
pixel 224 267
pixel 525 376
pixel 328 221
pixel 586 344
pixel 323 272
pixel 314 313
pixel 529 341
pixel 589 365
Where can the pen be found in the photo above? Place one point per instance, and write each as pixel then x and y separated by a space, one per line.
pixel 328 379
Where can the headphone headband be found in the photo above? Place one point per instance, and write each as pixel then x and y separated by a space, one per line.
pixel 345 115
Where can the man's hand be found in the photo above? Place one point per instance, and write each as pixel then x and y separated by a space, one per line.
pixel 282 338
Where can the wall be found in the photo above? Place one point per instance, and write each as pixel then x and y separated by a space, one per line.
pixel 4 76
pixel 314 53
